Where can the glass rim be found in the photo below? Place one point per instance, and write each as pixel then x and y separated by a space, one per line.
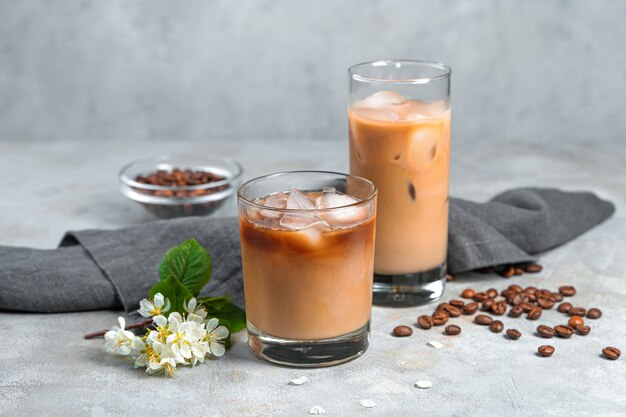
pixel 446 71
pixel 362 202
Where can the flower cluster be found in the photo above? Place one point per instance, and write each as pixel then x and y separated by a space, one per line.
pixel 170 341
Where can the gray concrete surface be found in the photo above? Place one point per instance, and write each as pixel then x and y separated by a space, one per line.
pixel 47 369
pixel 160 69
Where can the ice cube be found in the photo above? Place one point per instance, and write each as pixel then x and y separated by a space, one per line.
pixel 298 221
pixel 342 216
pixel 278 200
pixel 382 114
pixel 312 236
pixel 423 147
pixel 299 201
pixel 381 99
pixel 419 110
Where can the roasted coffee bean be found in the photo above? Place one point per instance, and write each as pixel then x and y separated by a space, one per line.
pixel 483 320
pixel 567 290
pixel 526 306
pixel 450 277
pixel 425 322
pixel 518 299
pixel 545 350
pixel 530 290
pixel 535 313
pixel 557 297
pixel 531 297
pixel 441 306
pixel 457 303
pixel 468 293
pixel 498 308
pixel 515 288
pixel 611 353
pixel 402 331
pixel 564 307
pixel 507 293
pixel 470 308
pixel 545 331
pixel 594 313
pixel 577 311
pixel 480 297
pixel 516 311
pixel 491 293
pixel 452 310
pixel 583 330
pixel 496 326
pixel 533 268
pixel 508 271
pixel 519 271
pixel 575 321
pixel 486 305
pixel 452 330
pixel 440 317
pixel 513 334
pixel 564 331
pixel 545 303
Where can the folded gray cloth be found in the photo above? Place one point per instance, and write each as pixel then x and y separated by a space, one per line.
pixel 108 269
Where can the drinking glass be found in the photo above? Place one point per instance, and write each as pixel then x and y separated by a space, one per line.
pixel 307 249
pixel 399 122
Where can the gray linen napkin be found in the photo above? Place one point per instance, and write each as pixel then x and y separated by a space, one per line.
pixel 108 269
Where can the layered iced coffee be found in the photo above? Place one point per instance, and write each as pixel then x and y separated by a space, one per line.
pixel 308 257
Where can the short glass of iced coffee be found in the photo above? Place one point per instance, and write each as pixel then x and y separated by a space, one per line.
pixel 307 249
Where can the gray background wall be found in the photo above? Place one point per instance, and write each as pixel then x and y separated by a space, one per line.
pixel 239 70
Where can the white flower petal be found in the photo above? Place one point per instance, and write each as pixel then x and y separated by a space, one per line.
pixel 423 384
pixel 212 324
pixel 317 410
pixel 124 350
pixel 299 381
pixel 221 332
pixel 158 300
pixel 217 349
pixel 167 306
pixel 122 322
pixel 367 403
pixel 160 320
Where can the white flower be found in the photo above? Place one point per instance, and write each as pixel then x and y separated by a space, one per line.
pixel 157 306
pixel 215 336
pixel 157 358
pixel 195 312
pixel 188 342
pixel 118 339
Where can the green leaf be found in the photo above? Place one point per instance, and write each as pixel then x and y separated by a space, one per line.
pixel 215 302
pixel 230 313
pixel 190 263
pixel 173 290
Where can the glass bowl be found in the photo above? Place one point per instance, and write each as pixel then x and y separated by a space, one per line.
pixel 167 201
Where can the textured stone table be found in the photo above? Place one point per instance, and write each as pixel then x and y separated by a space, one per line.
pixel 48 369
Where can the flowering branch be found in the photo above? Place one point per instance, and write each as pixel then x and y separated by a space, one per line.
pixel 137 325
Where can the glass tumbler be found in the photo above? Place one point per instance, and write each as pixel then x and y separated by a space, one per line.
pixel 307 249
pixel 399 123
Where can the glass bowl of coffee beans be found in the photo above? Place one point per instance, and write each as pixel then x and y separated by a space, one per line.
pixel 180 185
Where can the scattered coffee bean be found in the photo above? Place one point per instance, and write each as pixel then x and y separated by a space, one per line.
pixel 496 326
pixel 564 331
pixel 508 271
pixel 519 271
pixel 557 297
pixel 576 321
pixel 402 331
pixel 440 317
pixel 611 353
pixel 545 350
pixel 533 268
pixel 425 322
pixel 531 290
pixel 457 303
pixel 545 331
pixel 468 293
pixel 583 330
pixel 440 306
pixel 452 310
pixel 515 288
pixel 516 311
pixel 594 313
pixel 577 311
pixel 534 313
pixel 470 308
pixel 567 290
pixel 486 305
pixel 526 306
pixel 492 293
pixel 480 297
pixel 498 308
pixel 564 307
pixel 513 334
pixel 483 320
pixel 452 330
pixel 450 277
pixel 545 303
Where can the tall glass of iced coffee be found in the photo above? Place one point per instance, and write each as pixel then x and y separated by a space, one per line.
pixel 307 249
pixel 399 120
